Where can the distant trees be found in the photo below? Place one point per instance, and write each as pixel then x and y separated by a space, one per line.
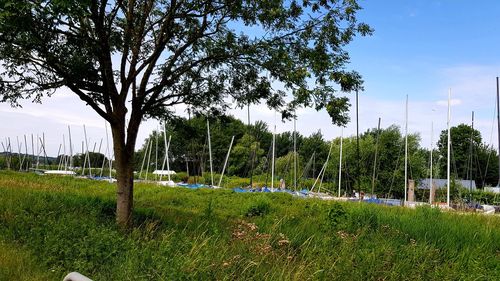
pixel 470 157
pixel 252 151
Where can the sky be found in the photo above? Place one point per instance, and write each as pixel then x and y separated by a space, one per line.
pixel 420 49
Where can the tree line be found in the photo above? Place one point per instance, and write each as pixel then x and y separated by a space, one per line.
pixel 252 151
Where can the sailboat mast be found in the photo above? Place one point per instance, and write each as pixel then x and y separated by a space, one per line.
pixel 430 181
pixel 70 149
pixel 471 152
pixel 357 144
pixel 225 162
pixel 340 157
pixel 294 153
pixel 210 153
pixel 168 161
pixel 498 120
pixel 274 147
pixel 376 154
pixel 448 154
pixel 406 150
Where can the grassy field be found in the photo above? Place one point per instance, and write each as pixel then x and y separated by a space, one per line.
pixel 50 226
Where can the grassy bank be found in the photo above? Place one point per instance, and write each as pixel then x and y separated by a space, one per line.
pixel 62 224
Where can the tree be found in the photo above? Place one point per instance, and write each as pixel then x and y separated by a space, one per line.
pixel 314 146
pixel 131 60
pixel 244 156
pixel 475 160
pixel 461 150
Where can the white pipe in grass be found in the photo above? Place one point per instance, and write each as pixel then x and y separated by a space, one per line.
pixel 75 276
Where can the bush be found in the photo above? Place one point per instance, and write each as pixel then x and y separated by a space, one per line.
pixel 259 207
pixel 337 216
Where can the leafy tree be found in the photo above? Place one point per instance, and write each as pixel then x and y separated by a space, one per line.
pixel 486 165
pixel 131 60
pixel 316 148
pixel 96 159
pixel 246 151
pixel 461 149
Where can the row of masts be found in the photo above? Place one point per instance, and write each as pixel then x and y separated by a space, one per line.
pixel 66 161
pixel 65 154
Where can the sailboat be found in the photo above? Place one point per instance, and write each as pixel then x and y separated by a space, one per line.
pixel 167 172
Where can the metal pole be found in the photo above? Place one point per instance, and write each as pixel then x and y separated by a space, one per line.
pixel 225 162
pixel 406 149
pixel 498 120
pixel 70 149
pixel 430 181
pixel 168 161
pixel 32 150
pixel 149 159
pixel 340 158
pixel 156 152
pixel 294 154
pixel 144 158
pixel 274 150
pixel 86 150
pixel 357 143
pixel 26 150
pixel 448 154
pixel 210 153
pixel 63 158
pixel 470 152
pixel 375 160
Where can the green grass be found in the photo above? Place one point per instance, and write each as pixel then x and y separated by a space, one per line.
pixel 55 225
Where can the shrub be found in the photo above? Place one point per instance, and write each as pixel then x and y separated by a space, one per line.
pixel 259 207
pixel 337 216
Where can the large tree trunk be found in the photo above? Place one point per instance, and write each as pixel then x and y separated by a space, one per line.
pixel 125 186
pixel 124 146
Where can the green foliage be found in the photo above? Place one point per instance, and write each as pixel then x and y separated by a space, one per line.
pixel 130 61
pixel 466 143
pixel 337 216
pixel 260 206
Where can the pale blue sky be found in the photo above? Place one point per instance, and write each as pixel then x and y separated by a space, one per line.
pixel 416 41
pixel 419 48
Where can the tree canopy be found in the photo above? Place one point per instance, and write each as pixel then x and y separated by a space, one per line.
pixel 130 60
pixel 470 157
pixel 156 54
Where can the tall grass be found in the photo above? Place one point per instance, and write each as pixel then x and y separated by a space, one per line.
pixel 65 224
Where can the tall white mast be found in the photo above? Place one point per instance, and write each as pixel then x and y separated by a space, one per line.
pixel 149 159
pixel 294 153
pixel 274 147
pixel 156 152
pixel 64 155
pixel 340 158
pixel 168 161
pixel 448 154
pixel 144 158
pixel 406 150
pixel 430 181
pixel 70 149
pixel 225 162
pixel 210 153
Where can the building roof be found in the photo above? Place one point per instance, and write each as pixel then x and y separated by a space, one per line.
pixel 441 183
